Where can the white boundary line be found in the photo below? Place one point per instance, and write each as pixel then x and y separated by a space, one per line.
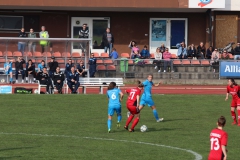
pixel 197 156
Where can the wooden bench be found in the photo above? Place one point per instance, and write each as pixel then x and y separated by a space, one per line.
pixel 99 82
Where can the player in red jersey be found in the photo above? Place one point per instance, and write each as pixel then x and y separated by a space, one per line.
pixel 218 140
pixel 234 89
pixel 132 105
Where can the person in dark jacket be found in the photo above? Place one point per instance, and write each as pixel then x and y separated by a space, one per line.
pixel 145 53
pixel 21 44
pixel 73 79
pixel 45 79
pixel 58 79
pixel 237 51
pixel 30 69
pixel 84 32
pixel 209 52
pixel 201 51
pixel 19 68
pixel 108 40
pixel 68 67
pixel 52 66
pixel 192 52
pixel 92 65
pixel 81 69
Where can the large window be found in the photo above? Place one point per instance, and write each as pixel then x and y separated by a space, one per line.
pixel 11 22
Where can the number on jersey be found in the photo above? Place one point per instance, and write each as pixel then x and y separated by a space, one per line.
pixel 132 95
pixel 214 144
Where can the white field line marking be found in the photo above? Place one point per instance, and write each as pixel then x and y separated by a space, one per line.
pixel 197 156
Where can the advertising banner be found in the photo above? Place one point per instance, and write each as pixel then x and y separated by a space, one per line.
pixel 206 3
pixel 229 69
pixel 5 89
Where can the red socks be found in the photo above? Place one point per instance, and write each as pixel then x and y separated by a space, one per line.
pixel 135 122
pixel 129 119
pixel 238 117
pixel 233 116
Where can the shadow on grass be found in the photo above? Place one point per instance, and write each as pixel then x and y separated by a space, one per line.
pixel 11 149
pixel 162 129
pixel 169 120
pixel 14 157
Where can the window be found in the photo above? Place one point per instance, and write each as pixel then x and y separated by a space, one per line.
pixel 11 22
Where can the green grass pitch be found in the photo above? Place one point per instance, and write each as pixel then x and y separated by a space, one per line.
pixel 69 127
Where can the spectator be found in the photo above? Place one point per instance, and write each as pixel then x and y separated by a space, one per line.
pixel 158 58
pixel 167 60
pixel 41 66
pixel 108 40
pixel 201 51
pixel 21 44
pixel 214 60
pixel 92 65
pixel 44 44
pixel 132 45
pixel 81 69
pixel 225 54
pixel 58 79
pixel 30 69
pixel 237 52
pixel 68 67
pixel 84 32
pixel 31 44
pixel 8 69
pixel 114 54
pixel 192 52
pixel 182 50
pixel 19 69
pixel 162 47
pixel 52 66
pixel 135 53
pixel 73 80
pixel 209 52
pixel 45 79
pixel 145 53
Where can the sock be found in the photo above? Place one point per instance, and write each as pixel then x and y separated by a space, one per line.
pixel 109 123
pixel 233 116
pixel 119 118
pixel 26 78
pixel 16 81
pixel 135 122
pixel 34 79
pixel 22 80
pixel 155 113
pixel 238 116
pixel 10 79
pixel 129 119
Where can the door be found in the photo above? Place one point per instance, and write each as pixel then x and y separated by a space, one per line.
pixel 177 32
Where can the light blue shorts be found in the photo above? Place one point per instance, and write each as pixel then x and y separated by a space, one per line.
pixel 8 71
pixel 112 109
pixel 147 101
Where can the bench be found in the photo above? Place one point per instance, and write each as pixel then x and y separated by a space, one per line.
pixel 99 82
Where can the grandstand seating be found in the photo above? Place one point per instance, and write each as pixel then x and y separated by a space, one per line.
pixel 125 55
pixel 104 55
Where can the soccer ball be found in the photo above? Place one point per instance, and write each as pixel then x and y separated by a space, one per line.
pixel 35 91
pixel 143 128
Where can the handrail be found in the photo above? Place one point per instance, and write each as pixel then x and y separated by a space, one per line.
pixel 49 39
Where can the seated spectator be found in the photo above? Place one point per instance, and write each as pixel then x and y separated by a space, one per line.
pixel 58 79
pixel 41 66
pixel 237 52
pixel 145 53
pixel 132 45
pixel 44 79
pixel 81 69
pixel 135 53
pixel 209 52
pixel 157 60
pixel 73 80
pixel 68 67
pixel 192 52
pixel 201 51
pixel 167 60
pixel 162 47
pixel 225 54
pixel 114 54
pixel 8 69
pixel 52 66
pixel 30 69
pixel 19 69
pixel 182 50
pixel 214 60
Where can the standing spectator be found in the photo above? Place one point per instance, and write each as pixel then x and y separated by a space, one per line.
pixel 52 66
pixel 45 79
pixel 21 44
pixel 192 52
pixel 73 79
pixel 81 69
pixel 182 50
pixel 44 44
pixel 237 52
pixel 214 60
pixel 92 65
pixel 58 79
pixel 8 69
pixel 108 40
pixel 31 44
pixel 30 69
pixel 201 51
pixel 84 32
pixel 114 54
pixel 19 69
pixel 167 60
pixel 162 47
pixel 132 45
pixel 157 60
pixel 68 67
pixel 209 52
pixel 145 53
pixel 41 66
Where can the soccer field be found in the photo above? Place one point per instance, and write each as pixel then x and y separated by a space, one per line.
pixel 75 127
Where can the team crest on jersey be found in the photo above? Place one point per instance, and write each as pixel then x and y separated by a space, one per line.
pixel 204 2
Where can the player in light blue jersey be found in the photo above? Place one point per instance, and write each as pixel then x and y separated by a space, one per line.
pixel 146 98
pixel 115 97
pixel 8 69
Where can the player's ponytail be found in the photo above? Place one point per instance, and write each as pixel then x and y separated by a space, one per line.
pixel 233 81
pixel 112 85
pixel 221 121
pixel 139 83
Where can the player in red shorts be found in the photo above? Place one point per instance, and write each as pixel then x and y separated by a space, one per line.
pixel 132 105
pixel 218 140
pixel 234 89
